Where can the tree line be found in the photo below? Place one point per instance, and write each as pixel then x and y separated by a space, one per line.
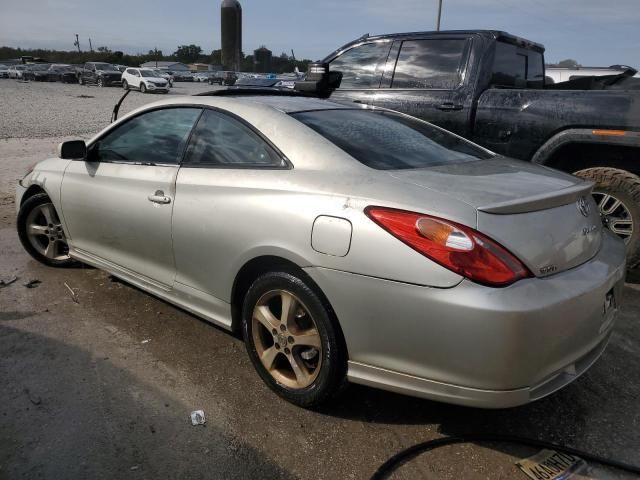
pixel 184 53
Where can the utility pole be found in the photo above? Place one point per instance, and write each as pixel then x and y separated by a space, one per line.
pixel 77 43
pixel 155 51
pixel 439 15
pixel 90 46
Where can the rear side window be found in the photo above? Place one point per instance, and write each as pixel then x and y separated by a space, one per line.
pixel 220 140
pixel 362 66
pixel 517 67
pixel 434 64
pixel 390 141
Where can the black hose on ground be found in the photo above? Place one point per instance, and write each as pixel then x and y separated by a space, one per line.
pixel 404 456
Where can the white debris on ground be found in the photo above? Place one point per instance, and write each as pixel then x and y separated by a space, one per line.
pixel 198 417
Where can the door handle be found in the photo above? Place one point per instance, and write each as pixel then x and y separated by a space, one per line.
pixel 449 106
pixel 159 197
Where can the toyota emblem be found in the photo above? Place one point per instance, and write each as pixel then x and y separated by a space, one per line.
pixel 584 207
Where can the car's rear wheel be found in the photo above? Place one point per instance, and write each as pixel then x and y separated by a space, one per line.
pixel 293 339
pixel 617 194
pixel 143 88
pixel 41 233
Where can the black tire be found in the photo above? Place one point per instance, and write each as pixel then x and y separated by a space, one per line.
pixel 143 88
pixel 80 80
pixel 25 209
pixel 625 187
pixel 125 85
pixel 100 82
pixel 331 378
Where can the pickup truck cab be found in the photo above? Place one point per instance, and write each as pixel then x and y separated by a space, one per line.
pixel 99 73
pixel 489 86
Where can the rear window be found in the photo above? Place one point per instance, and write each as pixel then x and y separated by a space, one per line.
pixel 390 141
pixel 517 67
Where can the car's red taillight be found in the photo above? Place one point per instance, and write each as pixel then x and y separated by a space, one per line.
pixel 454 246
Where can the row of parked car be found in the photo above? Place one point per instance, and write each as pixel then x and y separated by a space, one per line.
pixel 104 74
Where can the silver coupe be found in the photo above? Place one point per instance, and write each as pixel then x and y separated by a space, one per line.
pixel 344 243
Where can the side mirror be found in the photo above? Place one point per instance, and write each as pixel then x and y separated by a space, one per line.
pixel 72 150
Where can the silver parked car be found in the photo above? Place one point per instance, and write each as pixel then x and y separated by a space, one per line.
pixel 345 243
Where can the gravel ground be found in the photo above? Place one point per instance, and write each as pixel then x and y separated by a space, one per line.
pixel 103 388
pixel 36 109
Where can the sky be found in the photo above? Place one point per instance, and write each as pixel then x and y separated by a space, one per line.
pixel 593 32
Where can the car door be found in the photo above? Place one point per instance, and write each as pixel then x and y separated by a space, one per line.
pixel 426 78
pixel 118 202
pixel 362 67
pixel 227 176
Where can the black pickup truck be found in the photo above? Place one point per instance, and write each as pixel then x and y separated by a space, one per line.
pixel 489 86
pixel 99 73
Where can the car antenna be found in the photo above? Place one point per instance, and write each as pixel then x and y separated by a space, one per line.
pixel 116 108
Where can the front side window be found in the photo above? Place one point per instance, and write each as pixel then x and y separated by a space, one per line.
pixel 362 66
pixel 156 137
pixel 390 141
pixel 220 140
pixel 432 64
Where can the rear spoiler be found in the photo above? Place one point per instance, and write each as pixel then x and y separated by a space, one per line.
pixel 541 201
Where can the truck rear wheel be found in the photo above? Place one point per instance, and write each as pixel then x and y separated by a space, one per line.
pixel 617 194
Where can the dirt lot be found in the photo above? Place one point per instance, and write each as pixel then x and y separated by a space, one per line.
pixel 103 388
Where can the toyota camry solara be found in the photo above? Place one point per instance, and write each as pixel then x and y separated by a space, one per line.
pixel 344 243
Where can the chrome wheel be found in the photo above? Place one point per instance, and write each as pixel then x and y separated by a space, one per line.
pixel 286 339
pixel 45 232
pixel 615 215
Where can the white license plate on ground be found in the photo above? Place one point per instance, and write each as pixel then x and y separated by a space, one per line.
pixel 552 465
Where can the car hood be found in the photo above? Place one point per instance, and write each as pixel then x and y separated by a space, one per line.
pixel 155 79
pixel 109 72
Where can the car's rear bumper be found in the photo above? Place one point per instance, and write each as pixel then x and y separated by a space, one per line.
pixel 476 345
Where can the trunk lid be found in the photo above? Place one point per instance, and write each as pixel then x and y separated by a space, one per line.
pixel 546 218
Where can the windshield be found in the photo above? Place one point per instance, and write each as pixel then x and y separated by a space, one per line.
pixel 104 66
pixel 390 141
pixel 39 67
pixel 148 73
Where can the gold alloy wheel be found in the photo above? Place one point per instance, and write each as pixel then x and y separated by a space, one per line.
pixel 286 339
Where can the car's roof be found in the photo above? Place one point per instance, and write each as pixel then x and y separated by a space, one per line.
pixel 494 34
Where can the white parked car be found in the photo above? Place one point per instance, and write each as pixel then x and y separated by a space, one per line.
pixel 16 71
pixel 145 80
pixel 4 71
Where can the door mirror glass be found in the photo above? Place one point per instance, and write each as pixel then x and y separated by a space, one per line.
pixel 72 150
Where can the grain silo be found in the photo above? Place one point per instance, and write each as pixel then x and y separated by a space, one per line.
pixel 231 17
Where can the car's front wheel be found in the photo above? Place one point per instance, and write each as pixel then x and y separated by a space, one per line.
pixel 125 85
pixel 143 88
pixel 293 339
pixel 100 82
pixel 41 233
